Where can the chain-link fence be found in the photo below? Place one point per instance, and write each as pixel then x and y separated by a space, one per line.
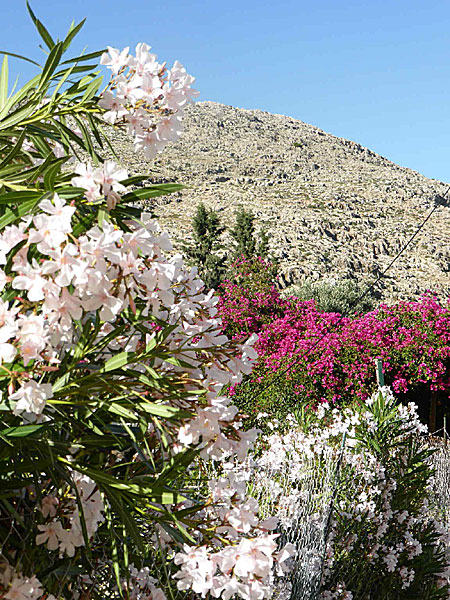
pixel 308 495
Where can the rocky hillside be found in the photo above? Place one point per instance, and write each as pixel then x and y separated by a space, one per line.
pixel 334 209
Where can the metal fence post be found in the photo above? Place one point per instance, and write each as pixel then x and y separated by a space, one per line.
pixel 445 430
pixel 380 374
pixel 433 403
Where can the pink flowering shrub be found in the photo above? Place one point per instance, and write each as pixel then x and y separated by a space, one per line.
pixel 332 357
pixel 249 297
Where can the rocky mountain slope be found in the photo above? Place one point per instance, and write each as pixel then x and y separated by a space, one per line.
pixel 334 209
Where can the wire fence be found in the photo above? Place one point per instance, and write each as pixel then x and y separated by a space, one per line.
pixel 301 493
pixel 306 493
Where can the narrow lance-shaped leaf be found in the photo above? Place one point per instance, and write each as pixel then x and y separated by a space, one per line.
pixel 50 65
pixel 18 116
pixel 14 213
pixel 14 151
pixel 92 89
pixel 41 29
pixel 114 548
pixel 117 362
pixel 84 57
pixel 15 98
pixel 65 76
pixel 4 78
pixel 21 430
pixel 73 30
pixel 13 54
pixel 18 197
pixel 152 191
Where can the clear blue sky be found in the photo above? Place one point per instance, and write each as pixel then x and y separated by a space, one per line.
pixel 373 71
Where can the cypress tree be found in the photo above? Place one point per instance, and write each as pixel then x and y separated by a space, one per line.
pixel 248 243
pixel 203 252
pixel 243 233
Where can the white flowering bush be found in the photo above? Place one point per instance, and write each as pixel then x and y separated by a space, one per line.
pixel 383 540
pixel 111 357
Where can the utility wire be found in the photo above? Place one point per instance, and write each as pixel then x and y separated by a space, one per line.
pixel 438 201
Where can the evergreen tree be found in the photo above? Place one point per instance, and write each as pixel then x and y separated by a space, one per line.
pixel 203 252
pixel 263 244
pixel 243 233
pixel 248 243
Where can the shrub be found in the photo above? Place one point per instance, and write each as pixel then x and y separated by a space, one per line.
pixel 249 297
pixel 382 540
pixel 112 358
pixel 313 357
pixel 345 297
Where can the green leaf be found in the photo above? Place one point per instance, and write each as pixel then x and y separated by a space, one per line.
pixel 74 69
pixel 21 430
pixel 16 197
pixel 178 463
pixel 20 56
pixel 16 98
pixel 72 33
pixel 152 191
pixel 65 75
pixel 165 412
pixel 69 134
pixel 17 116
pixel 124 513
pixel 92 89
pixel 61 569
pixel 88 145
pixel 117 362
pixel 49 159
pixel 4 78
pixel 94 129
pixel 84 57
pixel 135 179
pixel 50 65
pixel 84 221
pixel 41 29
pixel 147 489
pixel 14 213
pixel 15 150
pixel 117 409
pixel 176 535
pixel 51 174
pixel 115 552
pixel 13 484
pixel 38 137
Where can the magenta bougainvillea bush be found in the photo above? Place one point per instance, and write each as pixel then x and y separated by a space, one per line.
pixel 333 357
pixel 249 297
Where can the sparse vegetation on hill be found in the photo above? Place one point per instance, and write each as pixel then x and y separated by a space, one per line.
pixel 334 208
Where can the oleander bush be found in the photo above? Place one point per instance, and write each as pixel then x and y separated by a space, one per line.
pixel 370 523
pixel 112 358
pixel 249 298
